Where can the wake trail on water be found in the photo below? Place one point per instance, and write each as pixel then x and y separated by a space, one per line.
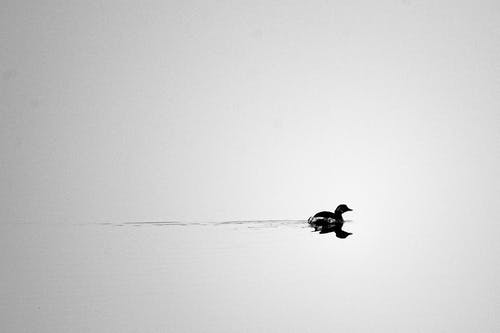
pixel 265 223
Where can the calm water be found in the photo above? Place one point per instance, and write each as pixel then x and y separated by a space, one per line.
pixel 260 276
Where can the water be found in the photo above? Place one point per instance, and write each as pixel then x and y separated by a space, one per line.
pixel 243 276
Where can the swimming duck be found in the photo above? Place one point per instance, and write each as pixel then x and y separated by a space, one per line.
pixel 326 222
pixel 325 217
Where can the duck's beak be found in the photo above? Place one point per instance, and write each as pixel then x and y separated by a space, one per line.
pixel 349 209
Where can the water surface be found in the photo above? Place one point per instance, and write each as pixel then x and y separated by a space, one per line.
pixel 255 276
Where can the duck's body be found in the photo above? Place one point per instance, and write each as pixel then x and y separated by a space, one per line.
pixel 326 217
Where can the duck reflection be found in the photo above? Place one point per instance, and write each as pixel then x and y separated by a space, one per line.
pixel 336 228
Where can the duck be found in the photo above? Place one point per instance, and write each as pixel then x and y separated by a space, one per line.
pixel 326 222
pixel 326 217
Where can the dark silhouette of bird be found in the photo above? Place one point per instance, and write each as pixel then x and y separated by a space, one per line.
pixel 326 222
pixel 325 215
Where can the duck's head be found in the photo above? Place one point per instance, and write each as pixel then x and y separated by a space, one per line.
pixel 342 209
